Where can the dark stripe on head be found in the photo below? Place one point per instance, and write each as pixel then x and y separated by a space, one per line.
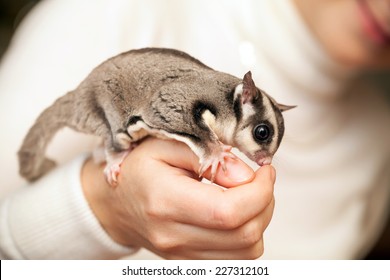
pixel 235 104
pixel 230 96
pixel 237 107
pixel 258 102
pixel 279 120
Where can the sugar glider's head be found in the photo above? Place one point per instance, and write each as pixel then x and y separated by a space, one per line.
pixel 260 124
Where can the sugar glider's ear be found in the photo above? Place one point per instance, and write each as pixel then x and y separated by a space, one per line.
pixel 283 108
pixel 249 90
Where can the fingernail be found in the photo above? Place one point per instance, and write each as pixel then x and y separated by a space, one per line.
pixel 238 171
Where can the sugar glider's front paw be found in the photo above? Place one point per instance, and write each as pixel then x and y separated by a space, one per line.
pixel 216 158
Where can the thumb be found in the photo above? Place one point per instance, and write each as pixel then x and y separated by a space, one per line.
pixel 237 173
pixel 180 155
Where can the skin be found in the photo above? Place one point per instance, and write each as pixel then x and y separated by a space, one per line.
pixel 173 214
pixel 339 27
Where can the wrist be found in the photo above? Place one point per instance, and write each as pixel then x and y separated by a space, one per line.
pixel 101 199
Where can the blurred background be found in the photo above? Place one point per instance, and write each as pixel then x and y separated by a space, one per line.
pixel 13 11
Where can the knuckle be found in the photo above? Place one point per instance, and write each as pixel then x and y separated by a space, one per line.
pixel 155 208
pixel 163 242
pixel 256 251
pixel 251 233
pixel 151 210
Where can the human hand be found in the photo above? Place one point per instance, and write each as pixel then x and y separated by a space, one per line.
pixel 159 204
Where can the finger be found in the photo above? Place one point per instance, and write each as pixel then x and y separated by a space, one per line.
pixel 180 155
pixel 193 237
pixel 250 253
pixel 236 173
pixel 208 206
pixel 185 241
pixel 246 201
pixel 267 214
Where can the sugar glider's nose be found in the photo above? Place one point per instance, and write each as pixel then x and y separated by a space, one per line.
pixel 264 161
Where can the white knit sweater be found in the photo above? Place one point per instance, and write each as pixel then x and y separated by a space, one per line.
pixel 333 168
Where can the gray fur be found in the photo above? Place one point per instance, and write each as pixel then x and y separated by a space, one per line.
pixel 162 89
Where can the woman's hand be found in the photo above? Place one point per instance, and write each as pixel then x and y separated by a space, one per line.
pixel 160 204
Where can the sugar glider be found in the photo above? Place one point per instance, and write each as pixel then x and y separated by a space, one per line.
pixel 165 93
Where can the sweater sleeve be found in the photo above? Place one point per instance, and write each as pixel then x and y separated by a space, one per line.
pixel 52 219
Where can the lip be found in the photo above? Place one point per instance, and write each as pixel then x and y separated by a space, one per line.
pixel 371 25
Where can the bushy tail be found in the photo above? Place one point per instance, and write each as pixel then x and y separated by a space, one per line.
pixel 32 161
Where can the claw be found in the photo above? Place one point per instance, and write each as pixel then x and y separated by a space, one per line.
pixel 113 167
pixel 216 158
pixel 223 165
pixel 111 173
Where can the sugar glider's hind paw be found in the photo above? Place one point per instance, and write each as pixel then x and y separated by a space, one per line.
pixel 113 166
pixel 113 159
pixel 216 158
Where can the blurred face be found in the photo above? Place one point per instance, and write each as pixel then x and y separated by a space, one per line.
pixel 354 32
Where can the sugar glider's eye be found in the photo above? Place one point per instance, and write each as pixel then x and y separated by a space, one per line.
pixel 262 132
